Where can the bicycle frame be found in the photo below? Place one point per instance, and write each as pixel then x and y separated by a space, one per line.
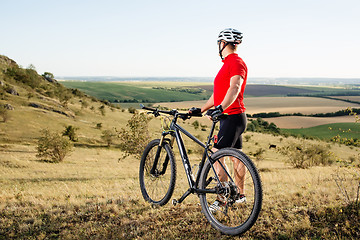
pixel 175 131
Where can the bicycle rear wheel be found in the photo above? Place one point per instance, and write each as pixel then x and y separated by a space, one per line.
pixel 235 213
pixel 157 187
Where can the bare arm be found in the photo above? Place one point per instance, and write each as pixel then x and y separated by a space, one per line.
pixel 233 91
pixel 209 104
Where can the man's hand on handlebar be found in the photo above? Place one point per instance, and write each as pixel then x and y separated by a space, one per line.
pixel 195 111
pixel 215 113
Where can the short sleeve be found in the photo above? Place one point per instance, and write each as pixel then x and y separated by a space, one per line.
pixel 237 68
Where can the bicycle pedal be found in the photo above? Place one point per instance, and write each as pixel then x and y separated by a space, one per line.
pixel 174 202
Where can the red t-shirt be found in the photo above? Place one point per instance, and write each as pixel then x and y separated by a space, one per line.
pixel 233 65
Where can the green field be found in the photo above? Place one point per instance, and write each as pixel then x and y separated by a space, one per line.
pixel 328 131
pixel 138 92
pixel 154 92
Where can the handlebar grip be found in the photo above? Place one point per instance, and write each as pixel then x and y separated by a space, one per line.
pixel 195 115
pixel 147 108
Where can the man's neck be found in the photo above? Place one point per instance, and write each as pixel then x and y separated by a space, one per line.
pixel 227 52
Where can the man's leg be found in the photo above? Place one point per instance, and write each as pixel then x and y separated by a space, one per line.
pixel 219 170
pixel 239 171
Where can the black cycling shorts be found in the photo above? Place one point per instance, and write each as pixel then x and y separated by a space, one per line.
pixel 230 131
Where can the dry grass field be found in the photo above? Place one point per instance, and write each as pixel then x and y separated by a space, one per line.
pixel 93 195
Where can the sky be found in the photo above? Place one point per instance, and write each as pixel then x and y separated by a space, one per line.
pixel 139 38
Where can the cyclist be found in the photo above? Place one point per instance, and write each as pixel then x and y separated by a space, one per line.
pixel 227 97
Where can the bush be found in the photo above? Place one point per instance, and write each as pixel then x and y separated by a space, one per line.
pixel 259 154
pixel 70 132
pixel 347 141
pixel 53 147
pixel 84 104
pixel 102 110
pixel 108 137
pixel 135 137
pixel 247 138
pixel 305 155
pixel 196 124
pixel 132 110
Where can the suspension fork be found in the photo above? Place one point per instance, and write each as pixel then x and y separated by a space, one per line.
pixel 165 164
pixel 154 169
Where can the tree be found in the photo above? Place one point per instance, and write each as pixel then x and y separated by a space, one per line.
pixel 31 67
pixel 48 75
pixel 273 128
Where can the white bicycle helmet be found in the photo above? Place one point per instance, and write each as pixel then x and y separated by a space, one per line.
pixel 230 35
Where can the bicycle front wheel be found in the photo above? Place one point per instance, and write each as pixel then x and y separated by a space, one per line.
pixel 233 197
pixel 157 181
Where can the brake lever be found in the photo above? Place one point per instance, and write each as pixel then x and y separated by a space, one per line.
pixel 156 113
pixel 185 117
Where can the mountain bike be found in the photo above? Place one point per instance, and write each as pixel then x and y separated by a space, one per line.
pixel 157 176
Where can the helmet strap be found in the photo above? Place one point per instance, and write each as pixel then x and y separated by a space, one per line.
pixel 222 49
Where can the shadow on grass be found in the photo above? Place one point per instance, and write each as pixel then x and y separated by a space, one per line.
pixel 58 179
pixel 88 145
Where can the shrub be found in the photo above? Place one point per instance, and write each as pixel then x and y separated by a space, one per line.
pixel 305 155
pixel 347 141
pixel 53 147
pixel 70 132
pixel 102 110
pixel 259 154
pixel 108 137
pixel 64 96
pixel 203 127
pixel 132 110
pixel 135 137
pixel 84 104
pixel 247 138
pixel 196 124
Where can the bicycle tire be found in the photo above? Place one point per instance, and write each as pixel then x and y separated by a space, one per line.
pixel 232 218
pixel 157 188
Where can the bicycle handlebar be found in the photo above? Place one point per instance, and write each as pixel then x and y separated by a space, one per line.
pixel 173 112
